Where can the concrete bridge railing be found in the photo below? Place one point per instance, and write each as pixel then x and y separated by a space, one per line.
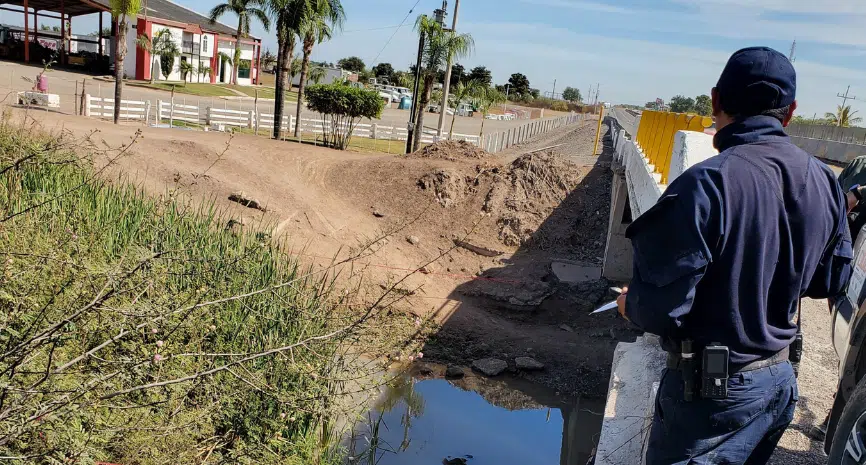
pixel 640 176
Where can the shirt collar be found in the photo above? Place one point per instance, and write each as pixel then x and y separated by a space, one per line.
pixel 748 130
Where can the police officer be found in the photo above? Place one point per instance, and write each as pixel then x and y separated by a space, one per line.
pixel 723 258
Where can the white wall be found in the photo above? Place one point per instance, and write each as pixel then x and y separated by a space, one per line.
pixel 177 38
pixel 229 49
pixel 129 60
pixel 206 48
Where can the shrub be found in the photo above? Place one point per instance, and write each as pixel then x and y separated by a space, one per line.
pixel 559 106
pixel 341 107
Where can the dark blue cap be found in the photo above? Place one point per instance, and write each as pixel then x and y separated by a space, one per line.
pixel 756 79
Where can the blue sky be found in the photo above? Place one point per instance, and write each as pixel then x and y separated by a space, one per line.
pixel 637 49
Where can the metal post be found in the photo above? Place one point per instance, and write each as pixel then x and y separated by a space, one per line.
pixel 26 31
pixel 87 105
pixel 446 87
pixel 100 34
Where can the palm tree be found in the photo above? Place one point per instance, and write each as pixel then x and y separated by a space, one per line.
pixel 288 14
pixel 162 46
pixel 205 71
pixel 244 9
pixel 294 69
pixel 461 93
pixel 224 57
pixel 186 70
pixel 440 46
pixel 843 117
pixel 121 10
pixel 317 73
pixel 484 99
pixel 320 19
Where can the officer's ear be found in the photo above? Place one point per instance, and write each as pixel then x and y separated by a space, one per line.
pixel 790 115
pixel 717 107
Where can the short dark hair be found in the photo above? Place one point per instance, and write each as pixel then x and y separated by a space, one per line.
pixel 778 113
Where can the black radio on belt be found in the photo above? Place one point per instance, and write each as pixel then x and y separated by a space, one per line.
pixel 714 372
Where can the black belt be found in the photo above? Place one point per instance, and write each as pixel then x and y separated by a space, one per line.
pixel 674 361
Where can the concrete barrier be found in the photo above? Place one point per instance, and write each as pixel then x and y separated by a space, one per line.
pixel 839 152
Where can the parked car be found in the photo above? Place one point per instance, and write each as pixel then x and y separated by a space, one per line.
pixel 845 441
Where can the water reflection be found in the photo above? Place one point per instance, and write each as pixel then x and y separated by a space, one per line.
pixel 476 421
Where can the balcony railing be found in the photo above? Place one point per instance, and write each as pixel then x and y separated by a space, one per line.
pixel 189 46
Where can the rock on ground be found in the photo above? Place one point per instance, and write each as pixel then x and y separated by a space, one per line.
pixel 490 366
pixel 454 372
pixel 528 364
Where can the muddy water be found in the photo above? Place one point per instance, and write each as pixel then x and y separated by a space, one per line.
pixel 426 419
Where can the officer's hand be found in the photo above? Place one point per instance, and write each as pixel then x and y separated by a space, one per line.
pixel 620 303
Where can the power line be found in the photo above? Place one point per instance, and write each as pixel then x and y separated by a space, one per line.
pixel 373 29
pixel 395 32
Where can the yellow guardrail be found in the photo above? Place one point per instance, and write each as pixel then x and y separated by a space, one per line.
pixel 655 135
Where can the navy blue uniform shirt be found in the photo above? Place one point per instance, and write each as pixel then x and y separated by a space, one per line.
pixel 735 241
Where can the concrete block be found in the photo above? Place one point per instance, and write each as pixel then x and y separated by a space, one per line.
pixel 635 375
pixel 571 273
pixel 690 148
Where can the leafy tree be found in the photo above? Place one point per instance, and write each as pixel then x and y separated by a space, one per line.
pixel 384 70
pixel 681 104
pixel 440 46
pixel 353 64
pixel 269 60
pixel 798 119
pixel 519 84
pixel 319 19
pixel 703 105
pixel 534 93
pixel 571 94
pixel 461 93
pixel 481 75
pixel 403 79
pixel 843 117
pixel 244 10
pixel 365 76
pixel 163 46
pixel 485 98
pixel 458 74
pixel 121 10
pixel 205 71
pixel 341 107
pixel 294 69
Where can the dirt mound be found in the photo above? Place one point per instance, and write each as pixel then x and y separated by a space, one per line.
pixel 449 187
pixel 451 150
pixel 525 193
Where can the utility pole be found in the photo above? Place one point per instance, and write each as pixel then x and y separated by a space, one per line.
pixel 446 87
pixel 553 94
pixel 791 57
pixel 845 99
pixel 415 98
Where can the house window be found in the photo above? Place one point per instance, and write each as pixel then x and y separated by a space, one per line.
pixel 244 69
pixel 204 47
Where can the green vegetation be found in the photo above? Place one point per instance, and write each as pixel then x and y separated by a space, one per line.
pixel 701 105
pixel 341 107
pixel 193 88
pixel 142 330
pixel 353 63
pixel 572 94
pixel 843 117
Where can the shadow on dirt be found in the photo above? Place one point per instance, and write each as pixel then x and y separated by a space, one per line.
pixel 536 302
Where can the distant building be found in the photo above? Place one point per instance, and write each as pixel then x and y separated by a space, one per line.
pixel 332 74
pixel 199 41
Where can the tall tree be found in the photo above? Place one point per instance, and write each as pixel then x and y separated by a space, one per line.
pixel 288 14
pixel 681 104
pixel 121 11
pixel 294 69
pixel 485 98
pixel 703 105
pixel 458 74
pixel 571 94
pixel 245 10
pixel 384 70
pixel 843 117
pixel 440 46
pixel 318 21
pixel 519 84
pixel 481 75
pixel 353 64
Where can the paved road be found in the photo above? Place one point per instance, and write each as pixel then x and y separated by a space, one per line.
pixel 627 120
pixel 64 84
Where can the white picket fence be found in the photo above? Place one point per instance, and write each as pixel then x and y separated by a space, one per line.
pixel 224 119
pixel 129 109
